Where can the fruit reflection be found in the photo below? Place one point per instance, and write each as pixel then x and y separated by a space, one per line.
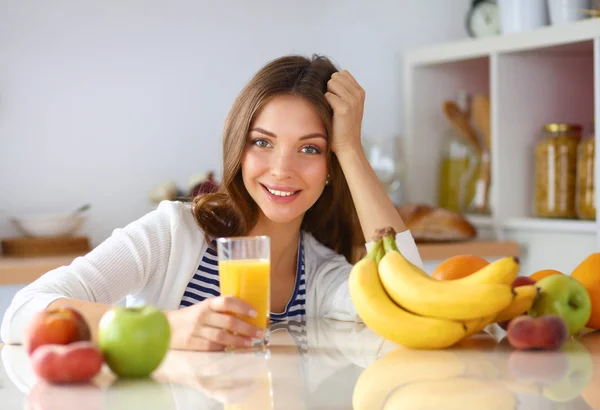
pixel 479 373
pixel 46 396
pixel 561 375
pixel 400 367
pixel 578 374
pixel 591 393
pixel 454 393
pixel 126 394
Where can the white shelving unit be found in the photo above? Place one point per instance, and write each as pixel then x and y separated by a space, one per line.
pixel 551 74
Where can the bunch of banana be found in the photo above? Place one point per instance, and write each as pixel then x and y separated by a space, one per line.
pixel 403 304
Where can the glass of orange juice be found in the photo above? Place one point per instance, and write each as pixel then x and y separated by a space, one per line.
pixel 245 273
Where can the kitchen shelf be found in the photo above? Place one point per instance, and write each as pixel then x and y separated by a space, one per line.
pixel 546 37
pixel 21 270
pixel 443 250
pixel 480 221
pixel 549 74
pixel 550 225
pixel 485 249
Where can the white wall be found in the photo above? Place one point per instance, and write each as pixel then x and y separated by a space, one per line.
pixel 101 100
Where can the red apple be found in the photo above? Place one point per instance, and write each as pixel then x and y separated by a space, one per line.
pixel 205 186
pixel 76 362
pixel 56 326
pixel 544 332
pixel 522 281
pixel 519 281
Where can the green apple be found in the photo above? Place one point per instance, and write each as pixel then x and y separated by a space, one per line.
pixel 564 296
pixel 134 340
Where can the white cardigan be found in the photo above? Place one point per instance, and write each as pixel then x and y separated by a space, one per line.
pixel 152 260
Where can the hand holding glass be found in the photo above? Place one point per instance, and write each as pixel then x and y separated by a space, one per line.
pixel 244 273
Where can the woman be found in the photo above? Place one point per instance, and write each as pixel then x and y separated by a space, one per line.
pixel 295 170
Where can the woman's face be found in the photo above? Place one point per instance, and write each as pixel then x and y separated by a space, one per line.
pixel 284 165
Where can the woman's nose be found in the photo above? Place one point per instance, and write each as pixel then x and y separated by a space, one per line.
pixel 282 164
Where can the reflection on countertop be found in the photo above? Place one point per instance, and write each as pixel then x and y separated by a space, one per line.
pixel 332 365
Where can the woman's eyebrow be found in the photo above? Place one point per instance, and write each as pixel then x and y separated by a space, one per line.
pixel 305 137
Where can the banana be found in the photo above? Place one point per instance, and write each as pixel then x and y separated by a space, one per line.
pixel 426 296
pixel 456 393
pixel 399 367
pixel 504 270
pixel 390 321
pixel 480 324
pixel 524 298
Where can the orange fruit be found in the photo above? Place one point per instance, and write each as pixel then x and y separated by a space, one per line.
pixel 588 274
pixel 541 274
pixel 458 266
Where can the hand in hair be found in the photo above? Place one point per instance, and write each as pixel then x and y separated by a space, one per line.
pixel 211 325
pixel 347 99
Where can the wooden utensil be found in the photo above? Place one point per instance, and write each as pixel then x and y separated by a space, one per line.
pixel 460 121
pixel 481 119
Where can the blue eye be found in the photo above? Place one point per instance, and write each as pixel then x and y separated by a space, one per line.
pixel 261 143
pixel 311 150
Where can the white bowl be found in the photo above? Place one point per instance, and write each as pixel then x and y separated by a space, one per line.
pixel 48 225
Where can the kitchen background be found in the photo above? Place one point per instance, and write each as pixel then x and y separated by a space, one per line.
pixel 109 103
pixel 101 101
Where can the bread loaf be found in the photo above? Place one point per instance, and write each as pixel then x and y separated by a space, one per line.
pixel 432 224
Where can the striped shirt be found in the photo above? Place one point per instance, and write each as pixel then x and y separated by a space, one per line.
pixel 205 284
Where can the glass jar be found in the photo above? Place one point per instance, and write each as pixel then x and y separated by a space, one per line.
pixel 480 203
pixel 585 202
pixel 458 173
pixel 459 164
pixel 556 171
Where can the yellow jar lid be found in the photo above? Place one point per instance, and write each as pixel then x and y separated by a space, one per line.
pixel 561 127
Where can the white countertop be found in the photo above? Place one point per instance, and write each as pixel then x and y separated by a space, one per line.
pixel 331 365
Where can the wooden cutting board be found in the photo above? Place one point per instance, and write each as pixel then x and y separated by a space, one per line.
pixel 27 247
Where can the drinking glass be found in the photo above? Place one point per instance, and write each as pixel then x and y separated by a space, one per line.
pixel 244 273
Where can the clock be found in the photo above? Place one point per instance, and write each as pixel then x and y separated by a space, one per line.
pixel 483 18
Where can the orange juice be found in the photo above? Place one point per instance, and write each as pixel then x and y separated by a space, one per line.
pixel 248 280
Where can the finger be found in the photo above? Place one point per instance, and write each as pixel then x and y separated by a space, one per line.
pixel 223 337
pixel 337 103
pixel 233 324
pixel 230 304
pixel 351 80
pixel 336 86
pixel 352 86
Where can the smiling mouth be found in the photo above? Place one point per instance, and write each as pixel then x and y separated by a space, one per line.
pixel 281 194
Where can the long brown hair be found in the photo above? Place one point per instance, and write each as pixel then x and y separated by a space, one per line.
pixel 231 211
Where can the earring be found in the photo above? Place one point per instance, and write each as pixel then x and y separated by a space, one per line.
pixel 327 181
